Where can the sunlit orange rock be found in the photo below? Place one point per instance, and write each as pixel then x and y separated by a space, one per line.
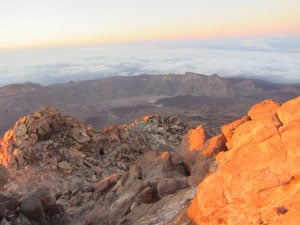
pixel 214 145
pixel 264 109
pixel 134 123
pixel 146 118
pixel 6 148
pixel 258 178
pixel 290 111
pixel 228 129
pixel 107 182
pixel 164 155
pixel 196 138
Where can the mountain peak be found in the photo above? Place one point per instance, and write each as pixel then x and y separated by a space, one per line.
pixel 23 88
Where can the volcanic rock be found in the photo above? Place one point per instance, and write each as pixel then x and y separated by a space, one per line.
pixel 34 205
pixel 147 195
pixel 107 182
pixel 56 170
pixel 4 175
pixel 194 139
pixel 7 205
pixel 257 177
pixel 65 167
pixel 62 171
pixel 168 186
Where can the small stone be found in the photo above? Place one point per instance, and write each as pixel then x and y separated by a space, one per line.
pixel 214 166
pixel 3 221
pixel 107 182
pixel 80 135
pixel 21 220
pixel 65 167
pixel 33 138
pixel 19 156
pixel 20 130
pixel 168 186
pixel 146 195
pixel 4 175
pixel 32 207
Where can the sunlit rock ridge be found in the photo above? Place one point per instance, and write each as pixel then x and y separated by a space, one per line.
pixel 257 180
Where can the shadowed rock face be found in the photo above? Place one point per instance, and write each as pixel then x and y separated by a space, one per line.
pixel 257 181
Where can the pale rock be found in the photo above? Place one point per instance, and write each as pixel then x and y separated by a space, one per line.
pixel 65 167
pixel 20 130
pixel 3 221
pixel 19 156
pixel 79 135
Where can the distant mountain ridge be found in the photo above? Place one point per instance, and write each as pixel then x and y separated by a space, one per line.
pixel 84 99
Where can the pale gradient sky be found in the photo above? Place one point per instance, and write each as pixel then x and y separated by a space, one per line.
pixel 35 23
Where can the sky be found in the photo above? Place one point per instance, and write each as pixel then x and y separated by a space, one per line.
pixel 54 41
pixel 36 23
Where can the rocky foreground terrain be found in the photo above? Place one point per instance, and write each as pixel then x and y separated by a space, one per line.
pixel 156 170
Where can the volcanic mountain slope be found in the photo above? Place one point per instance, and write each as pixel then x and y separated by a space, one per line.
pixel 119 100
pixel 54 170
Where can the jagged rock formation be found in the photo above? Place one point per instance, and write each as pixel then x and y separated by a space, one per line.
pixel 54 170
pixel 67 139
pixel 257 180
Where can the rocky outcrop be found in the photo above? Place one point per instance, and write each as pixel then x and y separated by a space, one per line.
pixel 257 177
pixel 55 170
pixel 140 195
pixel 61 141
pixel 199 151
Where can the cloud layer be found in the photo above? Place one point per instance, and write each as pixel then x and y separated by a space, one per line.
pixel 248 58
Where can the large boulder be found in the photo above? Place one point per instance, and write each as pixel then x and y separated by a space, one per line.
pixel 198 152
pixel 257 181
pixel 194 140
pixel 35 204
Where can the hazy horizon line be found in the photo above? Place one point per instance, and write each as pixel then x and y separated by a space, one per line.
pixel 57 45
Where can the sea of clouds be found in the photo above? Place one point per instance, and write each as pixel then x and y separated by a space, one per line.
pixel 276 60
